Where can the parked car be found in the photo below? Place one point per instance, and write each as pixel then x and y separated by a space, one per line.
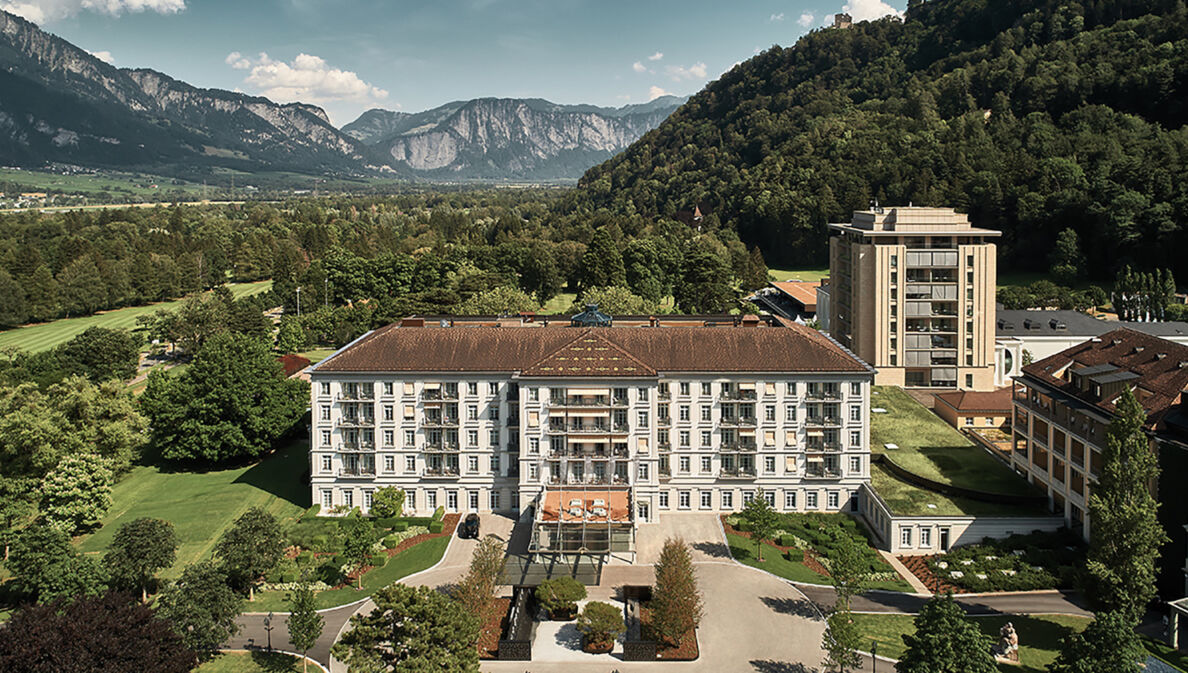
pixel 469 527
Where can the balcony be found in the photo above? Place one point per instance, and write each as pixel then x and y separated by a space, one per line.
pixel 817 445
pixel 619 402
pixel 732 395
pixel 664 447
pixel 664 395
pixel 355 421
pixel 356 446
pixel 822 473
pixel 664 422
pixel 820 395
pixel 737 473
pixel 363 472
pixel 580 401
pixel 355 396
pixel 822 421
pixel 665 473
pixel 741 445
pixel 438 422
pixel 441 472
pixel 441 445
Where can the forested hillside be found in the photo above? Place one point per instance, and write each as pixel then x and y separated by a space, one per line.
pixel 1031 115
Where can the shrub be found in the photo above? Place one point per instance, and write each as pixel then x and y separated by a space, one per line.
pixel 283 567
pixel 601 623
pixel 743 526
pixel 439 513
pixel 310 513
pixel 392 541
pixel 788 541
pixel 305 558
pixel 436 527
pixel 387 502
pixel 387 521
pixel 377 560
pixel 321 542
pixel 329 572
pixel 399 526
pixel 560 596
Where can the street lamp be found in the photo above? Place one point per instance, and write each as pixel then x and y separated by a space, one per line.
pixel 298 301
pixel 268 629
pixel 874 656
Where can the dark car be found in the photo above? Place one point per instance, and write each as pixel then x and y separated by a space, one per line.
pixel 469 527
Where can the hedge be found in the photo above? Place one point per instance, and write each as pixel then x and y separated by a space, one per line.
pixel 391 542
pixel 378 560
pixel 435 527
pixel 439 513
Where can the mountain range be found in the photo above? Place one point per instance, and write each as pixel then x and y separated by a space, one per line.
pixel 63 105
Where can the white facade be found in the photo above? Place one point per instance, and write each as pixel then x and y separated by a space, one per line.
pixel 492 441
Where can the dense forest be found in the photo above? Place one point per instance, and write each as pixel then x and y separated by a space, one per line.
pixel 1033 116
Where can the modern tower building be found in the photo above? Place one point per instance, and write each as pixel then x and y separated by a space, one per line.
pixel 912 292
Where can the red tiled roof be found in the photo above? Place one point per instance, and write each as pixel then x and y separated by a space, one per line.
pixel 968 401
pixel 801 291
pixel 596 351
pixel 293 363
pixel 1161 366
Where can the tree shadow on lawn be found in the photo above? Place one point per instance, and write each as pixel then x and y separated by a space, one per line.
pixel 272 662
pixel 792 606
pixel 284 473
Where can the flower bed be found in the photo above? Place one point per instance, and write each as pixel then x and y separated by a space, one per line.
pixel 492 627
pixel 1017 563
pixel 449 523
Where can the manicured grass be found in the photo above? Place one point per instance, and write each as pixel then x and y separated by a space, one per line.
pixel 414 559
pixel 201 505
pixel 1165 653
pixel 1039 635
pixel 44 336
pixel 559 304
pixel 910 500
pixel 744 551
pixel 808 273
pixel 318 354
pixel 251 662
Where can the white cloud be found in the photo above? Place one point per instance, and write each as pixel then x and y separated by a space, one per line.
pixel 656 56
pixel 307 78
pixel 656 92
pixel 237 61
pixel 805 20
pixel 639 67
pixel 776 17
pixel 42 11
pixel 104 56
pixel 680 72
pixel 868 10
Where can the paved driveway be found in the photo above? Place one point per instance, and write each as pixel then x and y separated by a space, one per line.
pixel 703 532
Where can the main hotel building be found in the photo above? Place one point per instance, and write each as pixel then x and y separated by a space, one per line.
pixel 670 414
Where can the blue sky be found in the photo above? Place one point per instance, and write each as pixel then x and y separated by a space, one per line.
pixel 411 55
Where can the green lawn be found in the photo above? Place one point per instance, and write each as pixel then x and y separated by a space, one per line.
pixel 559 304
pixel 1039 635
pixel 202 504
pixel 414 559
pixel 1165 653
pixel 317 354
pixel 743 550
pixel 44 336
pixel 909 500
pixel 808 273
pixel 251 662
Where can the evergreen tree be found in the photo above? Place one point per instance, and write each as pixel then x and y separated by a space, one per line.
pixel 1068 263
pixel 1108 645
pixel 704 285
pixel 676 603
pixel 945 641
pixel 41 291
pixel 14 305
pixel 1125 535
pixel 841 642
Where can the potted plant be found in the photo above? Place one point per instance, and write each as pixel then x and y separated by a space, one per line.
pixel 600 625
pixel 560 596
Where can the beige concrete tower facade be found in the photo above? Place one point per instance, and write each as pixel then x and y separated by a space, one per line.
pixel 913 295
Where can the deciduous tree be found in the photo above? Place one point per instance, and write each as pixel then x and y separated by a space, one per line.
pixel 139 549
pixel 358 538
pixel 76 494
pixel 945 641
pixel 46 567
pixel 252 546
pixel 476 590
pixel 201 607
pixel 841 642
pixel 1126 536
pixel 1108 645
pixel 101 354
pixel 387 502
pixel 762 519
pixel 305 624
pixel 411 629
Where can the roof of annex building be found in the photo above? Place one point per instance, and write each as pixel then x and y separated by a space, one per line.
pixel 1059 323
pixel 801 291
pixel 971 401
pixel 748 344
pixel 912 221
pixel 1157 369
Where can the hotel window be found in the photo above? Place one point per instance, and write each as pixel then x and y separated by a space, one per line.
pixel 325 438
pixel 894 261
pixel 494 439
pixel 495 464
pixel 810 500
pixel 493 499
pixel 684 437
pixel 643 419
pixel 969 420
pixel 324 387
pixel 969 260
pixel 706 411
pixel 410 438
pixel 410 500
pixel 325 412
pixel 472 438
pixel 472 412
pixel 727 499
pixel 472 464
pixel 389 437
pixel 642 474
pixel 410 463
pixel 832 500
pixel 769 413
pixel 473 498
pixel 791 389
pixel 707 464
pixel 856 389
pixel 748 496
pixel 683 412
pixel 969 380
pixel 706 438
pixel 493 388
pixel 769 496
pixel 855 438
pixel 684 464
pixel 367 500
pixel 925 537
pixel 389 463
pixel 706 500
pixel 387 387
pixel 643 394
pixel 855 464
pixel 684 388
pixel 327 463
pixel 533 395
pixel 533 472
pixel 348 498
pixel 855 412
pixel 534 445
pixel 707 388
pixel 472 388
pixel 683 499
pixel 451 500
pixel 769 464
pixel 663 499
pixel 789 499
pixel 493 411
pixel 790 413
pixel 327 496
pixel 905 537
pixel 389 413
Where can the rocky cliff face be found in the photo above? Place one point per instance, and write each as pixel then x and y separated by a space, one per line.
pixel 508 138
pixel 75 108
